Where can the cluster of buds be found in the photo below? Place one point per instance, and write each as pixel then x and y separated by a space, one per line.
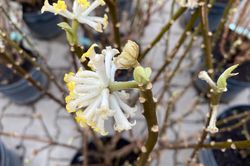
pixel 217 88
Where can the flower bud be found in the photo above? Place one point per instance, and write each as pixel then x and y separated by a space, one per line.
pixel 128 57
pixel 222 80
pixel 141 75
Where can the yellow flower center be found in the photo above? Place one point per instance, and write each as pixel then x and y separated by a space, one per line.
pixel 81 119
pixel 89 53
pixel 71 86
pixel 60 6
pixel 83 3
pixel 70 97
pixel 68 76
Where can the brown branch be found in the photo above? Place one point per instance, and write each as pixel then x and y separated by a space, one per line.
pixel 181 40
pixel 37 139
pixel 212 145
pixel 150 115
pixel 113 12
pixel 164 29
pixel 20 71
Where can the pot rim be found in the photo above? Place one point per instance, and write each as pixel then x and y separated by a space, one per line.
pixel 18 83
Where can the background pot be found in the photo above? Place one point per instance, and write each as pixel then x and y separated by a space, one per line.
pixel 214 16
pixel 21 92
pixel 125 6
pixel 131 157
pixel 7 157
pixel 44 25
pixel 229 157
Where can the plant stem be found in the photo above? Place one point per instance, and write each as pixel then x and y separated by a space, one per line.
pixel 222 22
pixel 17 28
pixel 182 58
pixel 206 38
pixel 165 28
pixel 37 139
pixel 150 115
pixel 85 148
pixel 215 145
pixel 178 45
pixel 214 100
pixel 78 51
pixel 115 86
pixel 113 12
pixel 169 32
pixel 74 29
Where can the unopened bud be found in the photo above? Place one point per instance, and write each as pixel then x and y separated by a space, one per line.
pixel 128 57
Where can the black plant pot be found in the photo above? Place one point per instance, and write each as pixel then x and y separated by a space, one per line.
pixel 214 16
pixel 18 89
pixel 21 92
pixel 43 26
pixel 125 6
pixel 229 157
pixel 8 158
pixel 94 158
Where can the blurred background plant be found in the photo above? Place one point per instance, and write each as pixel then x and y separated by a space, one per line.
pixel 214 35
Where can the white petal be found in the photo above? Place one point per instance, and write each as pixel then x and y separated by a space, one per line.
pixel 112 72
pixel 123 95
pixel 91 109
pixel 78 103
pixel 77 9
pixel 92 7
pixel 86 73
pixel 67 14
pixel 109 54
pixel 86 88
pixel 105 98
pixel 105 110
pixel 100 126
pixel 49 8
pixel 91 81
pixel 121 122
pixel 130 111
pixel 98 63
pixel 89 95
pixel 95 25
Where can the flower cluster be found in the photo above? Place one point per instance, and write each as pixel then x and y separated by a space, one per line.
pixel 80 12
pixel 90 96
